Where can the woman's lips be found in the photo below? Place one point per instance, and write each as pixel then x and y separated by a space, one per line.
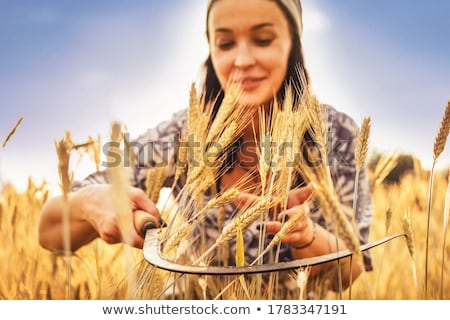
pixel 248 84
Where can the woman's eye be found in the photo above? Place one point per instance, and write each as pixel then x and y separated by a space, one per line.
pixel 224 45
pixel 264 42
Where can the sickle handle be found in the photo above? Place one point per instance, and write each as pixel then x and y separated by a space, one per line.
pixel 144 221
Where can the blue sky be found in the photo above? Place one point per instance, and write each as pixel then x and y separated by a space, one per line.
pixel 78 65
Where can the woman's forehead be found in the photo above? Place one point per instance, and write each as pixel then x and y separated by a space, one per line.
pixel 291 8
pixel 226 14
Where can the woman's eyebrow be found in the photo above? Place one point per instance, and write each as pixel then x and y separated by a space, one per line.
pixel 254 28
pixel 224 30
pixel 262 25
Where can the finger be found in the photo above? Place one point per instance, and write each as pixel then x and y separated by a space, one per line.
pixel 285 215
pixel 140 201
pixel 129 233
pixel 300 195
pixel 134 239
pixel 272 227
pixel 244 200
pixel 294 236
pixel 298 211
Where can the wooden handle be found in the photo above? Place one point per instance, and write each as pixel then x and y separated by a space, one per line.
pixel 144 221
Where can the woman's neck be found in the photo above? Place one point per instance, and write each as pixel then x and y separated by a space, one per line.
pixel 252 131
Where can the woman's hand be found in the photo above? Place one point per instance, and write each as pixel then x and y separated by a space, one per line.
pixel 92 214
pixel 98 210
pixel 306 238
pixel 302 232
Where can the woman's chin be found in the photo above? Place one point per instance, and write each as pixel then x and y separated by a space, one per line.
pixel 252 99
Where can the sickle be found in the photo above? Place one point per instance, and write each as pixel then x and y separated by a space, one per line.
pixel 153 255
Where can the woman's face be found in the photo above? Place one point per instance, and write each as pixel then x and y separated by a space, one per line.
pixel 250 44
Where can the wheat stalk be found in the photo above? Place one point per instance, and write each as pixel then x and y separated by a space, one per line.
pixel 63 150
pixel 182 158
pixel 240 255
pixel 407 229
pixel 388 220
pixel 302 281
pixel 439 145
pixel 361 150
pixel 387 225
pixel 119 194
pixel 384 166
pixel 445 231
pixel 13 131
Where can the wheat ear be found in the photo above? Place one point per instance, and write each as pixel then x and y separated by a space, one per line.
pixel 407 229
pixel 119 195
pixel 245 219
pixel 362 144
pixel 13 130
pixel 221 200
pixel 384 166
pixel 63 149
pixel 442 135
pixel 155 182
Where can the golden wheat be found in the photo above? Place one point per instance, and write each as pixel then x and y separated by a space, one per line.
pixel 12 132
pixel 362 144
pixel 154 182
pixel 442 135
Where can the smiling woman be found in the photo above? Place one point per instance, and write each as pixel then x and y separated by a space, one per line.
pixel 297 189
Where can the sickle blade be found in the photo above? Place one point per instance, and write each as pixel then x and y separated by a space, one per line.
pixel 153 255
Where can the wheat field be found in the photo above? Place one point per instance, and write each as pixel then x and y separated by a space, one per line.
pixel 99 270
pixel 412 267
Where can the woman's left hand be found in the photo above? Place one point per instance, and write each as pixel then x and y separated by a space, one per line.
pixel 303 231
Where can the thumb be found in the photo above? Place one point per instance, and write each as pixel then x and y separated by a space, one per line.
pixel 300 195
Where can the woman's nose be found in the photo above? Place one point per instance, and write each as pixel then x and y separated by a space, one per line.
pixel 244 57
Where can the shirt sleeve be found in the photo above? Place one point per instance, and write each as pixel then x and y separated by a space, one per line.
pixel 156 147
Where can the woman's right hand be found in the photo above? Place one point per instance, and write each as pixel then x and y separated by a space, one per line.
pixel 93 214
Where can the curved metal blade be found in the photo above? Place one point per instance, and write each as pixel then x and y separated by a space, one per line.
pixel 153 255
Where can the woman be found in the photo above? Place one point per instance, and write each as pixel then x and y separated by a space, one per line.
pixel 261 54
